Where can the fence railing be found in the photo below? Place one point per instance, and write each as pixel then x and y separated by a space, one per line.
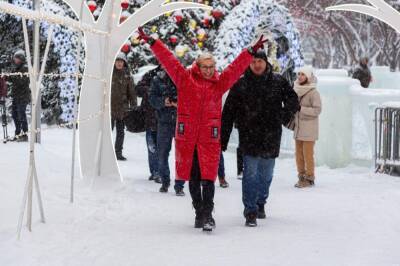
pixel 387 140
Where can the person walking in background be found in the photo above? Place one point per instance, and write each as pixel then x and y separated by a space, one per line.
pixel 198 147
pixel 164 98
pixel 143 91
pixel 221 172
pixel 123 97
pixel 260 102
pixel 306 125
pixel 363 73
pixel 20 95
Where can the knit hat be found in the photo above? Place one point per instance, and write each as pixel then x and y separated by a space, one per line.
pixel 122 56
pixel 20 54
pixel 308 71
pixel 261 54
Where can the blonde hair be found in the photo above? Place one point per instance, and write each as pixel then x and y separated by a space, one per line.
pixel 205 56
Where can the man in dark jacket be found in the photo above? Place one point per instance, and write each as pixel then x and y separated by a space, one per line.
pixel 143 91
pixel 362 73
pixel 163 97
pixel 20 95
pixel 260 102
pixel 123 97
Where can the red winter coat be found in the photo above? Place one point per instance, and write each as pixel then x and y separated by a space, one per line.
pixel 199 111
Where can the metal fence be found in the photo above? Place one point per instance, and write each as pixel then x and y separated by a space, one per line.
pixel 387 140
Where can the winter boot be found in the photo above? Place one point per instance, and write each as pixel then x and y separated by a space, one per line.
pixel 261 212
pixel 23 138
pixel 158 180
pixel 164 188
pixel 199 218
pixel 120 157
pixel 251 220
pixel 179 192
pixel 222 182
pixel 305 183
pixel 300 182
pixel 209 223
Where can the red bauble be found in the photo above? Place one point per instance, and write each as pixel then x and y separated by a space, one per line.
pixel 126 48
pixel 178 18
pixel 173 39
pixel 92 6
pixel 217 14
pixel 125 4
pixel 206 22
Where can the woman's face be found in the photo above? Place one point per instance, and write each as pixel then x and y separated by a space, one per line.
pixel 119 64
pixel 207 68
pixel 302 78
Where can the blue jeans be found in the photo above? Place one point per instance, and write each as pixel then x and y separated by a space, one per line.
pixel 19 117
pixel 257 178
pixel 221 166
pixel 151 140
pixel 165 134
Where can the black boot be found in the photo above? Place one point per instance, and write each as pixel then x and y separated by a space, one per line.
pixel 199 218
pixel 251 220
pixel 261 212
pixel 208 204
pixel 22 138
pixel 179 192
pixel 120 157
pixel 164 188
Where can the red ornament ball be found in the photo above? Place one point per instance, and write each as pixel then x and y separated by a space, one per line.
pixel 178 18
pixel 125 4
pixel 217 14
pixel 126 48
pixel 92 6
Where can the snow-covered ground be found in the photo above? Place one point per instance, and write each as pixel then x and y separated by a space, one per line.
pixel 351 217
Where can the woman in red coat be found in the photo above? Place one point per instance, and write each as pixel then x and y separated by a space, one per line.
pixel 197 137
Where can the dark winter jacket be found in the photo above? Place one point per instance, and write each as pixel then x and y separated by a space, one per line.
pixel 143 91
pixel 123 95
pixel 162 88
pixel 3 88
pixel 259 105
pixel 20 91
pixel 363 74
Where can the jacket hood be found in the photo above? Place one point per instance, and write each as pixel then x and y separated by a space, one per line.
pixel 196 71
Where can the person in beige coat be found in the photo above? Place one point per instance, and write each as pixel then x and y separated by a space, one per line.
pixel 306 125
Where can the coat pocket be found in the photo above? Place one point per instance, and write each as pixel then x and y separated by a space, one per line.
pixel 211 132
pixel 184 128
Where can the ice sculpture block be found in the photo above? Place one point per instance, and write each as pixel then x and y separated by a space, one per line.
pixel 334 145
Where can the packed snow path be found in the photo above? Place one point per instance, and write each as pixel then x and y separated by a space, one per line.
pixel 351 217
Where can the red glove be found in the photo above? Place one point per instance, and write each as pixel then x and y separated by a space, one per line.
pixel 258 45
pixel 143 36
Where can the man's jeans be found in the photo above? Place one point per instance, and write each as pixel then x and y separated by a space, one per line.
pixel 151 141
pixel 19 117
pixel 165 134
pixel 257 178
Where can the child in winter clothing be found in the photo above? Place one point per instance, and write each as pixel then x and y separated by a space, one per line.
pixel 306 125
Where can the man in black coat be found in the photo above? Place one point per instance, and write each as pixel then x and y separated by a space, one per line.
pixel 259 103
pixel 150 121
pixel 20 95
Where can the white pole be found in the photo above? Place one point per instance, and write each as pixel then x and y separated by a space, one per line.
pixel 36 54
pixel 78 61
